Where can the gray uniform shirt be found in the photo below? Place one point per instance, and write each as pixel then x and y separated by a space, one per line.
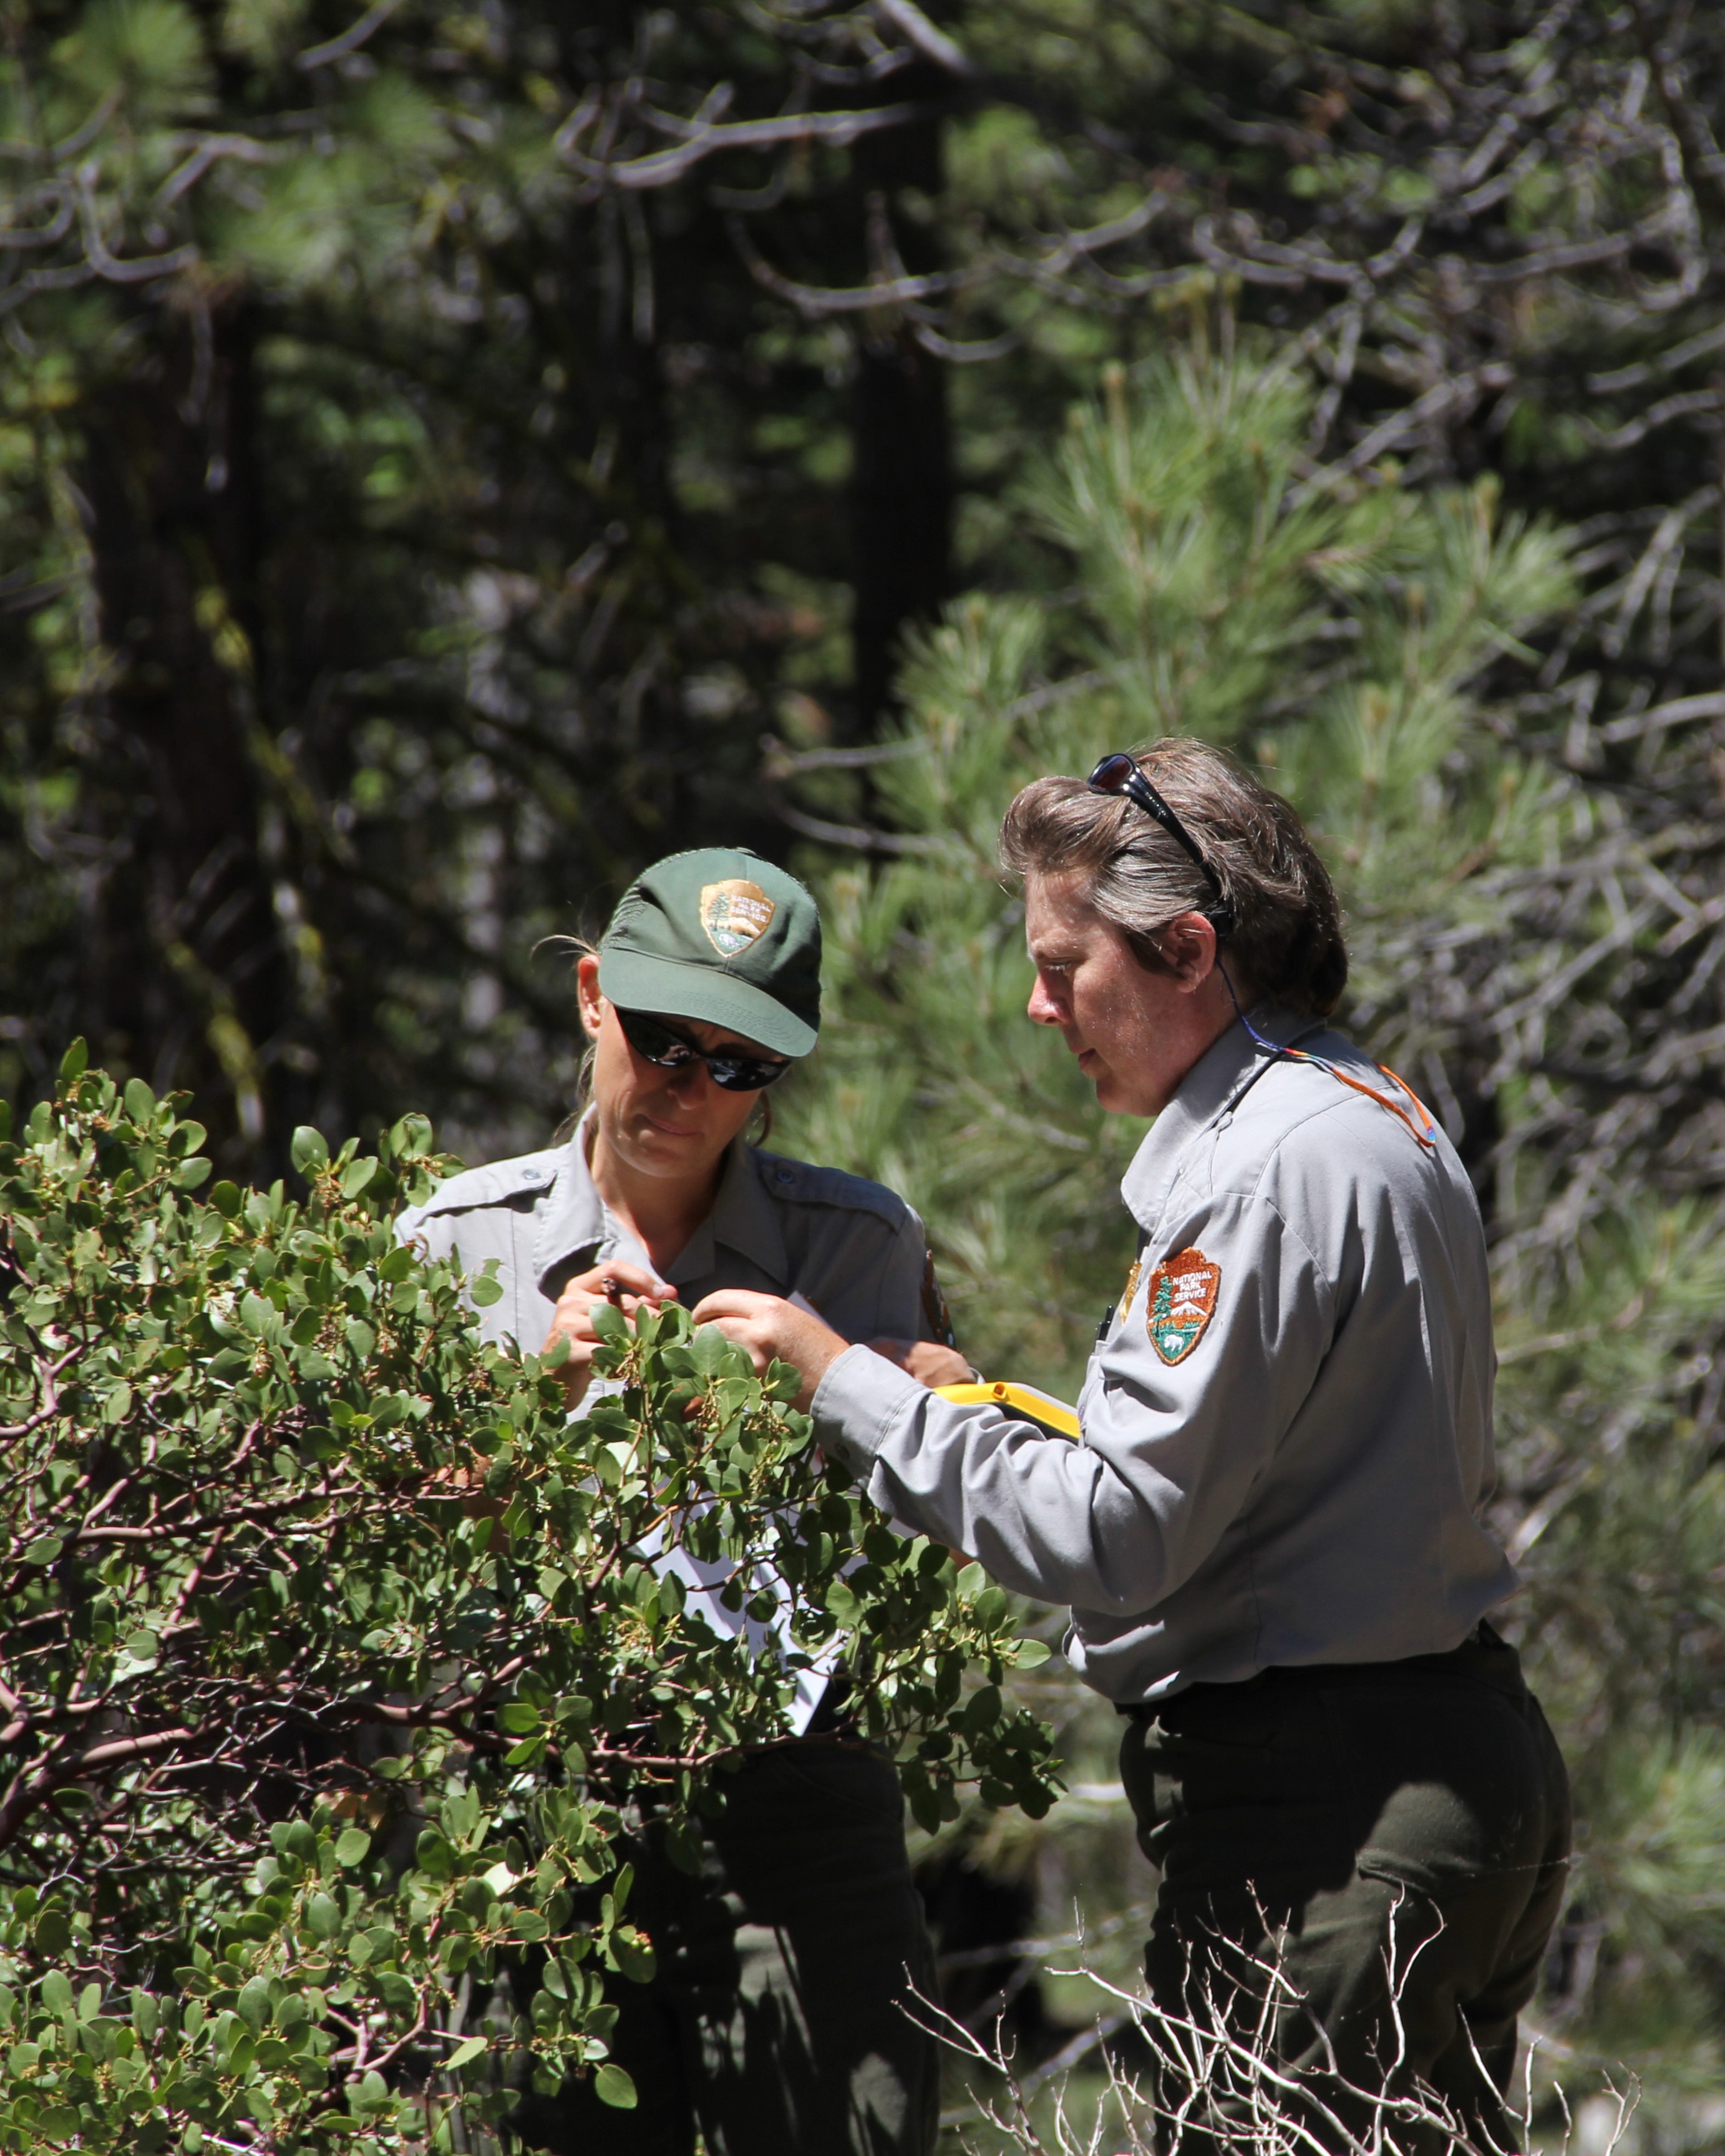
pixel 851 1248
pixel 1286 1425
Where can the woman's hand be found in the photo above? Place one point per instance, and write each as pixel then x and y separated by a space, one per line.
pixel 926 1361
pixel 626 1288
pixel 772 1330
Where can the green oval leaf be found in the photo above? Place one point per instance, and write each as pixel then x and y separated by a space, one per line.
pixel 433 1854
pixel 611 1325
pixel 983 1709
pixel 358 1175
pixel 612 2086
pixel 53 1935
pixel 307 1149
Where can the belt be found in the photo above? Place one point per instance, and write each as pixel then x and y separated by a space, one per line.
pixel 1482 1634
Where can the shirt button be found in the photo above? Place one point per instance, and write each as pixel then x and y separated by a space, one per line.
pixel 785 1176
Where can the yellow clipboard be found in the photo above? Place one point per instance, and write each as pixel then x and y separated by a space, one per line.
pixel 1024 1401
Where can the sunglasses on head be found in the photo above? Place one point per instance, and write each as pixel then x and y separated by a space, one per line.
pixel 1120 773
pixel 660 1042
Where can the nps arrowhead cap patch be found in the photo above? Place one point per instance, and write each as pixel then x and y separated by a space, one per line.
pixel 734 913
pixel 1180 1301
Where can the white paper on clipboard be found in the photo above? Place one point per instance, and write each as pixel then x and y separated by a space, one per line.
pixel 704 1581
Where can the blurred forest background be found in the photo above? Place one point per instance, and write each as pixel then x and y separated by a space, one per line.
pixel 452 454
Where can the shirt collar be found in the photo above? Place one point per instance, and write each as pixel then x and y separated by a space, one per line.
pixel 743 1218
pixel 1220 1078
pixel 575 1217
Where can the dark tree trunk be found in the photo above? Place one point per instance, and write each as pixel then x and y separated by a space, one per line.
pixel 902 508
pixel 187 982
pixel 902 488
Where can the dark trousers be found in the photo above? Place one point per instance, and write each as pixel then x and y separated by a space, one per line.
pixel 1399 1828
pixel 773 2022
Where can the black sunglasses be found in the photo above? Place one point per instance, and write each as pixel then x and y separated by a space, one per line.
pixel 671 1051
pixel 1119 773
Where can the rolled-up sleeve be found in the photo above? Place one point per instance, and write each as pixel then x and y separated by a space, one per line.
pixel 1170 1449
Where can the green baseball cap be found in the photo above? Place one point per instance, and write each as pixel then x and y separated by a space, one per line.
pixel 721 936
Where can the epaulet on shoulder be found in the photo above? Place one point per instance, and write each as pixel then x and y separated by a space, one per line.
pixel 801 1183
pixel 496 1184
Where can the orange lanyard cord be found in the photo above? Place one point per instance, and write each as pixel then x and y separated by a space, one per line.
pixel 1427 1138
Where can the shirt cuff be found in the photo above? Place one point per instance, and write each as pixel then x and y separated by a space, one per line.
pixel 861 1399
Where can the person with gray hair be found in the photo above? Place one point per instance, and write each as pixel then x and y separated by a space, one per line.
pixel 1270 1531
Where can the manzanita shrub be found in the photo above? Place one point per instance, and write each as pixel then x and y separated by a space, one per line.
pixel 334 1665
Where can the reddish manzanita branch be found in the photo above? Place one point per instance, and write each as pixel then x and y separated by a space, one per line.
pixel 31 1787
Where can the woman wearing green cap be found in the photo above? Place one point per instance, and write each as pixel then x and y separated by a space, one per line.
pixel 773 2023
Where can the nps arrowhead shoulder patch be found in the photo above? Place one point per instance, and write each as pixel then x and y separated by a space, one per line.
pixel 1180 1301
